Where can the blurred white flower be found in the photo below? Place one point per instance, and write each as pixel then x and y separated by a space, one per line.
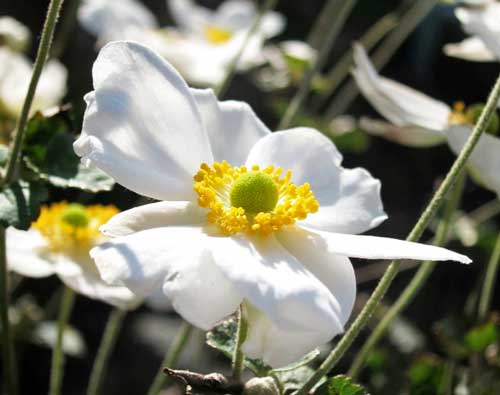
pixel 245 215
pixel 201 46
pixel 14 34
pixel 481 20
pixel 420 121
pixel 58 243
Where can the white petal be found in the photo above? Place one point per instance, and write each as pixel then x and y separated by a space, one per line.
pixel 154 215
pixel 372 247
pixel 27 253
pixel 14 34
pixel 189 16
pixel 235 15
pixel 142 125
pixel 273 281
pixel 349 199
pixel 177 259
pixel 110 20
pixel 472 48
pixel 272 24
pixel 398 103
pixel 484 160
pixel 335 271
pixel 275 346
pixel 232 126
pixel 412 136
pixel 81 275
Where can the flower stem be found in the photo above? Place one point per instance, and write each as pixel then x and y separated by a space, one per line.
pixel 415 285
pixel 220 91
pixel 171 358
pixel 57 368
pixel 41 58
pixel 241 335
pixel 414 235
pixel 489 282
pixel 64 32
pixel 383 54
pixel 108 342
pixel 335 27
pixel 9 364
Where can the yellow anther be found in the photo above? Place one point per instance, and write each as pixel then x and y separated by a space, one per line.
pixel 214 184
pixel 217 35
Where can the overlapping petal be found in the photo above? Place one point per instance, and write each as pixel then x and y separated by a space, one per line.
pixel 137 123
pixel 472 48
pixel 349 199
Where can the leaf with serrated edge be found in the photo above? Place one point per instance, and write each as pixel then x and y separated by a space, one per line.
pixel 343 385
pixel 20 204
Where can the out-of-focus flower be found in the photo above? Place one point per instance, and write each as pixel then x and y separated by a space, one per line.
pixel 420 121
pixel 480 20
pixel 201 46
pixel 58 243
pixel 16 70
pixel 246 216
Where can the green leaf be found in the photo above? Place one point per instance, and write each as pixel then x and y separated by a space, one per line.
pixel 48 153
pixel 292 380
pixel 20 204
pixel 425 375
pixel 343 385
pixel 480 337
pixel 222 338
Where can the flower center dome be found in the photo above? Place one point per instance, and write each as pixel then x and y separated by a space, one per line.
pixel 255 200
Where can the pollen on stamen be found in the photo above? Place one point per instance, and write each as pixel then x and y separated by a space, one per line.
pixel 221 187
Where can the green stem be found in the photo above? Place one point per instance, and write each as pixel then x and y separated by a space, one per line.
pixel 489 282
pixel 220 91
pixel 241 335
pixel 57 368
pixel 415 285
pixel 171 358
pixel 322 24
pixel 9 364
pixel 41 58
pixel 335 27
pixel 383 54
pixel 414 235
pixel 64 33
pixel 108 342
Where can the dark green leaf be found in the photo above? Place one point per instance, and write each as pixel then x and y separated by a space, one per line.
pixel 20 204
pixel 480 337
pixel 343 385
pixel 426 375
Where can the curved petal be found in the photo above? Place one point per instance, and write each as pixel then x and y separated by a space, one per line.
pixel 177 259
pixel 472 48
pixel 484 160
pixel 272 24
pixel 232 126
pixel 190 16
pixel 335 271
pixel 235 15
pixel 142 125
pixel 154 215
pixel 27 253
pixel 411 136
pixel 349 199
pixel 398 103
pixel 81 275
pixel 110 20
pixel 372 247
pixel 278 285
pixel 14 34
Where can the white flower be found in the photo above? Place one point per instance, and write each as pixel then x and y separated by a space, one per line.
pixel 481 21
pixel 245 215
pixel 58 243
pixel 201 47
pixel 15 76
pixel 418 120
pixel 14 34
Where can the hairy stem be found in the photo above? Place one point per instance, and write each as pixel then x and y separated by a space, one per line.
pixel 489 282
pixel 241 335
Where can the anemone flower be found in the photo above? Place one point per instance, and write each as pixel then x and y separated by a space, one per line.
pixel 245 216
pixel 480 20
pixel 201 46
pixel 58 243
pixel 418 120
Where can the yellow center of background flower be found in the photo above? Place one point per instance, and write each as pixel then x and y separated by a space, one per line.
pixel 259 200
pixel 462 115
pixel 217 35
pixel 72 227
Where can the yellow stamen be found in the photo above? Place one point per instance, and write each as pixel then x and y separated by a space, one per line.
pixel 72 228
pixel 458 115
pixel 217 35
pixel 214 184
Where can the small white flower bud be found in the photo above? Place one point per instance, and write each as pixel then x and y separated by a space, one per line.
pixel 261 386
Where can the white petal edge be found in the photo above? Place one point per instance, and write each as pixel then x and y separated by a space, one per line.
pixel 472 49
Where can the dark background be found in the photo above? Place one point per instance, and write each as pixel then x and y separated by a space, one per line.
pixel 408 177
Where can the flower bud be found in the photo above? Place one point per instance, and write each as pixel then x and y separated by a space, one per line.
pixel 261 386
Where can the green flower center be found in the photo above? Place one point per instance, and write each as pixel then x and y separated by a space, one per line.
pixel 75 215
pixel 473 113
pixel 255 191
